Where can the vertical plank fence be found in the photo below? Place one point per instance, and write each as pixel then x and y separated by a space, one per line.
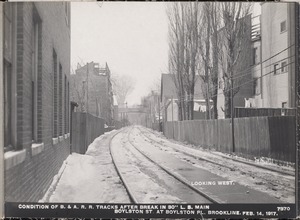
pixel 271 137
pixel 85 128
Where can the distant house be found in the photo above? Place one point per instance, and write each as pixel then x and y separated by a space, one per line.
pixel 169 98
pixel 36 92
pixel 91 88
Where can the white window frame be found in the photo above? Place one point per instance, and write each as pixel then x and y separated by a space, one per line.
pixel 281 23
pixel 34 79
pixel 9 57
pixel 284 66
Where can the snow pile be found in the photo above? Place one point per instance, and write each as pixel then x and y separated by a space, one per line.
pixel 90 178
pixel 54 183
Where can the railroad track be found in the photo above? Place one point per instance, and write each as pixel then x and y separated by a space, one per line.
pixel 126 185
pixel 224 157
pixel 223 165
pixel 129 189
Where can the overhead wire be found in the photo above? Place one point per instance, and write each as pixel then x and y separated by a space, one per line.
pixel 247 82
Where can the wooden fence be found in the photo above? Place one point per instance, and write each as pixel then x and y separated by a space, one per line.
pixel 85 128
pixel 271 137
pixel 240 112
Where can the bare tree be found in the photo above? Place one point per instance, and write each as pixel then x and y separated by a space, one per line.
pixel 183 50
pixel 78 92
pixel 215 46
pixel 235 22
pixel 209 46
pixel 205 52
pixel 176 52
pixel 122 86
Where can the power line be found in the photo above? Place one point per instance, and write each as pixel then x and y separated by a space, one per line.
pixel 182 97
pixel 238 75
pixel 255 79
pixel 215 86
pixel 251 67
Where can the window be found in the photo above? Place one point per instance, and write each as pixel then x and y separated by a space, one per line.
pixel 283 66
pixel 60 100
pixel 55 95
pixel 254 56
pixel 276 69
pixel 283 26
pixel 8 16
pixel 66 106
pixel 7 104
pixel 256 86
pixel 36 53
pixel 9 22
pixel 284 104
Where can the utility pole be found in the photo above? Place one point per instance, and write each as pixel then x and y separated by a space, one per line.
pixel 172 110
pixel 232 115
pixel 87 95
pixel 173 118
pixel 297 101
pixel 159 128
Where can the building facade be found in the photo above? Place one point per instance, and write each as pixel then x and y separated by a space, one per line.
pixel 275 53
pixel 36 68
pixel 91 88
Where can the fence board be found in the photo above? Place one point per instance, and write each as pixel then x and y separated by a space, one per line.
pixel 272 137
pixel 85 128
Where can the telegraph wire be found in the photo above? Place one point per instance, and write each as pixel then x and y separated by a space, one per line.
pixel 215 87
pixel 183 98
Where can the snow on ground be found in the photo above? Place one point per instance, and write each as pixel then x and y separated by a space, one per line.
pixel 90 178
pixel 267 162
pixel 282 187
pixel 144 188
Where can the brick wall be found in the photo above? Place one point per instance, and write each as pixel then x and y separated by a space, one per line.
pixel 30 178
pixel 297 81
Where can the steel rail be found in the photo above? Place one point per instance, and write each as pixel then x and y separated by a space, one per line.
pixel 223 165
pixel 126 185
pixel 180 179
pixel 225 157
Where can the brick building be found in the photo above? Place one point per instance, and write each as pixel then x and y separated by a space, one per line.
pixel 36 68
pixel 91 88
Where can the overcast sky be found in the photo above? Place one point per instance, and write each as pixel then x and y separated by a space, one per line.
pixel 132 37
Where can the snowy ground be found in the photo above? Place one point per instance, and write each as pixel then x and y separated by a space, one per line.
pixel 131 168
pixel 281 186
pixel 92 177
pixel 148 182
